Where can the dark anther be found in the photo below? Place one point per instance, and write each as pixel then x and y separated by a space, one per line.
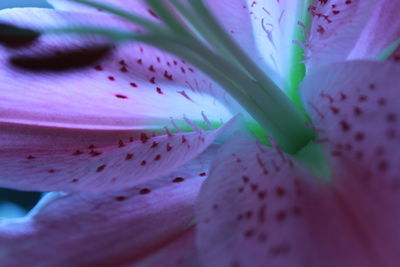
pixel 13 36
pixel 61 61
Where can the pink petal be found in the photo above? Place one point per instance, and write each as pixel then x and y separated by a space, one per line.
pixel 78 130
pixel 179 252
pixel 137 88
pixel 250 211
pixel 54 159
pixel 262 28
pixel 381 31
pixel 258 208
pixel 356 106
pixel 107 229
pixel 335 28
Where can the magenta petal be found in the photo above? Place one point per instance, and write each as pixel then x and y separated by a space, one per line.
pixel 335 29
pixel 106 229
pixel 262 28
pixel 381 31
pixel 138 87
pixel 250 210
pixel 52 159
pixel 180 252
pixel 92 128
pixel 259 208
pixel 356 107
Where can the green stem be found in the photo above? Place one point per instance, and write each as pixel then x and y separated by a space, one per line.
pixel 165 15
pixel 252 88
pixel 388 51
pixel 154 27
pixel 288 125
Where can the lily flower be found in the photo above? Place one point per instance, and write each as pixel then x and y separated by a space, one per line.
pixel 130 139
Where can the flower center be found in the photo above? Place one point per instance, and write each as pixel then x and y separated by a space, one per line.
pixel 191 32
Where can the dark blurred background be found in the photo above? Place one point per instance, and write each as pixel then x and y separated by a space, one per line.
pixel 16 203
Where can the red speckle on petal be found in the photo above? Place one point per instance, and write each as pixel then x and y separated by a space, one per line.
pixel 345 126
pixel 101 168
pixel 111 78
pixel 121 96
pixel 169 147
pixel 159 91
pixel 154 144
pixel 77 152
pixel 121 143
pixel 178 180
pixel 98 68
pixel 144 191
pixel 129 156
pixel 280 192
pixel 144 138
pixel 281 216
pixel 120 198
pixel 94 153
pixel 168 76
pixel 152 13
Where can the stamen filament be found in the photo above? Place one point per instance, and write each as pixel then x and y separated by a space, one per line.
pixel 245 81
pixel 151 26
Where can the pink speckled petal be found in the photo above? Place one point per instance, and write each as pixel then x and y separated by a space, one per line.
pixel 57 159
pixel 355 107
pixel 114 228
pixel 250 210
pixel 259 208
pixel 99 127
pixel 335 29
pixel 136 87
pixel 262 28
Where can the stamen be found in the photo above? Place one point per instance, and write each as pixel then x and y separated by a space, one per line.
pixel 233 69
pixel 174 125
pixel 191 124
pixel 207 121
